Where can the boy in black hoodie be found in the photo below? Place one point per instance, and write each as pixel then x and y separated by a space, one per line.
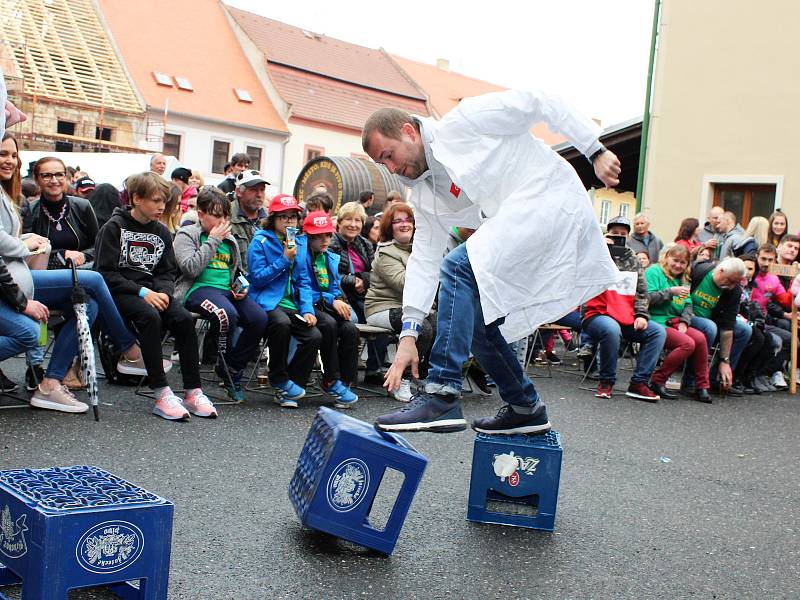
pixel 134 254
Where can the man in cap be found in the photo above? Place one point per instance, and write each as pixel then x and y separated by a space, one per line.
pixel 537 253
pixel 84 186
pixel 247 209
pixel 180 177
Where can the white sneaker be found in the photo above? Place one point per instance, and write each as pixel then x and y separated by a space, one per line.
pixel 778 380
pixel 403 393
pixel 60 399
pixel 136 367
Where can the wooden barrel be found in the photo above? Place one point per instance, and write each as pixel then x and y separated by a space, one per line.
pixel 344 178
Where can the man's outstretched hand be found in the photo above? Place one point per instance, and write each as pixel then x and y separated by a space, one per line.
pixel 607 168
pixel 406 356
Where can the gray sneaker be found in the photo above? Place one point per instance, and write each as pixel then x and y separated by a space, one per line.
pixel 762 384
pixel 60 399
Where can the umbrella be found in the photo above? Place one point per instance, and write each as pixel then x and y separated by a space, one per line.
pixel 85 345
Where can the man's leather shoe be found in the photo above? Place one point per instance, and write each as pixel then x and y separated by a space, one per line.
pixel 662 391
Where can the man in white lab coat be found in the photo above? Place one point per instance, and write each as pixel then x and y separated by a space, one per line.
pixel 538 251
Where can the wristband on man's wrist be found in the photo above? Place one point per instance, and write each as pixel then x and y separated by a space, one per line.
pixel 411 326
pixel 597 153
pixel 143 292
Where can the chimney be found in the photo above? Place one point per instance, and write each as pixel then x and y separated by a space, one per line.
pixel 443 64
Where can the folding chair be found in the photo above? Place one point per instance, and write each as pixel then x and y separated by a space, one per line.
pixel 369 333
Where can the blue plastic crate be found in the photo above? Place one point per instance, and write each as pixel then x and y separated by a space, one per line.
pixel 339 472
pixel 71 527
pixel 515 480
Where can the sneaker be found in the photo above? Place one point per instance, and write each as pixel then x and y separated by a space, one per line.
pixel 403 393
pixel 136 367
pixel 438 413
pixel 288 393
pixel 170 407
pixel 585 350
pixel 33 377
pixel 762 384
pixel 508 422
pixel 778 381
pixel 345 397
pixel 60 399
pixel 373 378
pixel 232 382
pixel 748 387
pixel 571 345
pixel 197 403
pixel 6 385
pixel 604 389
pixel 552 358
pixel 640 391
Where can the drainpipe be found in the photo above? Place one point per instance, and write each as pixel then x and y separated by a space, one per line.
pixel 646 117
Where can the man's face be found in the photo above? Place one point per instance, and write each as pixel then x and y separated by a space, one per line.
pixel 713 217
pixel 765 261
pixel 788 252
pixel 404 156
pixel 251 198
pixel 238 168
pixel 641 225
pixel 751 268
pixel 618 230
pixel 158 164
pixel 725 224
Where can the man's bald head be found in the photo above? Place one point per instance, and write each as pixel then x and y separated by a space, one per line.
pixel 714 216
pixel 158 164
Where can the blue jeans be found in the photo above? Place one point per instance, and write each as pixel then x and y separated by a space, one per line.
pixel 607 333
pixel 54 290
pixel 460 327
pixel 741 336
pixel 18 332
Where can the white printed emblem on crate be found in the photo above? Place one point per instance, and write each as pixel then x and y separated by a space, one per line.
pixel 509 466
pixel 110 547
pixel 12 534
pixel 348 484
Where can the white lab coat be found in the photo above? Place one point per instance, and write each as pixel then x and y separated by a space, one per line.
pixel 539 251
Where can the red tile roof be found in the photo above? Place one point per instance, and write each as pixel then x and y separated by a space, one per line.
pixel 191 39
pixel 445 89
pixel 285 44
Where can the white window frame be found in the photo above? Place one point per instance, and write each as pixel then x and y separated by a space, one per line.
pixel 605 205
pixel 624 209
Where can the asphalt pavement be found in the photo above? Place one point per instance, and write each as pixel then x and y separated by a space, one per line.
pixel 669 500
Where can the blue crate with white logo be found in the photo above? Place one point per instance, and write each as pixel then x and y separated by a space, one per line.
pixel 75 527
pixel 515 480
pixel 339 473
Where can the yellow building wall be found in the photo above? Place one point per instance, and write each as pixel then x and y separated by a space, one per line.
pixel 608 203
pixel 725 107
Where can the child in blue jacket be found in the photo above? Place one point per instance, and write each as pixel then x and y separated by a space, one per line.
pixel 279 282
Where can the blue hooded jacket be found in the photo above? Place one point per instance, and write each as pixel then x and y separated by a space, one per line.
pixel 270 269
pixel 334 288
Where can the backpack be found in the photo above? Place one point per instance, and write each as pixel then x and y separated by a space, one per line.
pixel 109 356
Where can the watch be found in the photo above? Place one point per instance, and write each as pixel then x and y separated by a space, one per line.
pixel 594 156
pixel 725 359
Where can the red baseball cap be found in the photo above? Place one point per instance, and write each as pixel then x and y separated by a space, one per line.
pixel 284 202
pixel 318 222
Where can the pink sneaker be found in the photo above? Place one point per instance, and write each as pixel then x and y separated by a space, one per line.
pixel 197 403
pixel 169 407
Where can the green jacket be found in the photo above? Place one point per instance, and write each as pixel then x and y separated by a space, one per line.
pixel 388 278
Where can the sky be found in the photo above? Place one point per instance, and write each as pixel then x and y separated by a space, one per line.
pixel 592 52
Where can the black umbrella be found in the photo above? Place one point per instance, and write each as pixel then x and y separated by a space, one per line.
pixel 80 299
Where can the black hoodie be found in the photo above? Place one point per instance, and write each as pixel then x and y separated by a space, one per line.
pixel 132 255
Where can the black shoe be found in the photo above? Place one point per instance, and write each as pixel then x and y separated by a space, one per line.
pixel 735 391
pixel 572 345
pixel 509 422
pixel 438 413
pixel 33 377
pixel 702 396
pixel 552 358
pixel 373 378
pixel 749 389
pixel 661 390
pixel 6 385
pixel 688 390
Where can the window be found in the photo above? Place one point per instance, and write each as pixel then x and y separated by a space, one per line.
pixel 65 128
pixel 745 200
pixel 220 156
pixel 162 79
pixel 243 95
pixel 254 153
pixel 172 145
pixel 312 152
pixel 624 209
pixel 184 83
pixel 605 208
pixel 102 133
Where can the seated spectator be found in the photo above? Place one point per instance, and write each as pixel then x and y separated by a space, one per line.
pixel 701 253
pixel 367 199
pixel 753 237
pixel 136 258
pixel 104 199
pixel 383 305
pixel 67 221
pixel 778 226
pixel 280 283
pixel 391 198
pixel 196 180
pixel 84 186
pixel 239 163
pixel 644 259
pixel 762 356
pixel 788 251
pixel 320 201
pixel 729 233
pixel 621 311
pixel 643 240
pixel 171 217
pixel 671 307
pixel 715 299
pixel 247 211
pixel 769 292
pixel 372 231
pixel 158 164
pixel 688 233
pixel 208 259
pixel 339 347
pixel 355 268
